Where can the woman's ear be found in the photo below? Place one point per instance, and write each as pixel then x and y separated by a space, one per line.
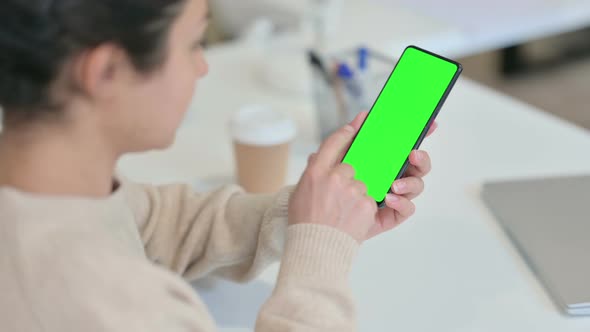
pixel 99 72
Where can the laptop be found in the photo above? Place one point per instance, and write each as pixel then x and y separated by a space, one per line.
pixel 548 220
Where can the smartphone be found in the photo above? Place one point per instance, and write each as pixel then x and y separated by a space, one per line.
pixel 400 119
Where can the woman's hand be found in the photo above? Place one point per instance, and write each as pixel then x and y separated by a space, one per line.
pixel 328 194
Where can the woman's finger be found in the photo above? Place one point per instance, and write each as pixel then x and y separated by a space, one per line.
pixel 356 124
pixel 403 207
pixel 334 147
pixel 420 164
pixel 312 158
pixel 432 129
pixel 385 221
pixel 345 171
pixel 360 187
pixel 410 187
pixel 359 120
pixel 398 210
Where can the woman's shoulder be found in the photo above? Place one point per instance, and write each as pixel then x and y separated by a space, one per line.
pixel 71 284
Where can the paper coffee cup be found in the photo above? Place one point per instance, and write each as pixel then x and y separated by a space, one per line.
pixel 262 139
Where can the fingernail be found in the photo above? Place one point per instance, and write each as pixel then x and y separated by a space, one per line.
pixel 392 198
pixel 419 156
pixel 399 186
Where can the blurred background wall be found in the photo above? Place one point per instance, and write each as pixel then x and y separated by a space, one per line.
pixel 552 73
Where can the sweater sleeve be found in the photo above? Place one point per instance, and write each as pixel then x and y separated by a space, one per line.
pixel 227 232
pixel 234 235
pixel 312 293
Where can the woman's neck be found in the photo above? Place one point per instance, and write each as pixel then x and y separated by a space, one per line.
pixel 55 161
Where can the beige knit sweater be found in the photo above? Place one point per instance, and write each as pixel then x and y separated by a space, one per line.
pixel 117 264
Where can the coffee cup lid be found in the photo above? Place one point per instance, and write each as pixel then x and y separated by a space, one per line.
pixel 260 125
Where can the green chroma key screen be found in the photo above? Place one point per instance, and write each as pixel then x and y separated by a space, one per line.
pixel 399 119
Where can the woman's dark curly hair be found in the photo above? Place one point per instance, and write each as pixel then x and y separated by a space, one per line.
pixel 37 37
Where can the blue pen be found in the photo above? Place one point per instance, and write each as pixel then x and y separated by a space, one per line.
pixel 347 75
pixel 351 83
pixel 363 57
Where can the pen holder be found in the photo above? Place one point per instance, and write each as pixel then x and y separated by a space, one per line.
pixel 341 92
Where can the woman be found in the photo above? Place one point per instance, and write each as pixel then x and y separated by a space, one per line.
pixel 83 82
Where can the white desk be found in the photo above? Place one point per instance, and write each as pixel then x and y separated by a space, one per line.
pixel 450 268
